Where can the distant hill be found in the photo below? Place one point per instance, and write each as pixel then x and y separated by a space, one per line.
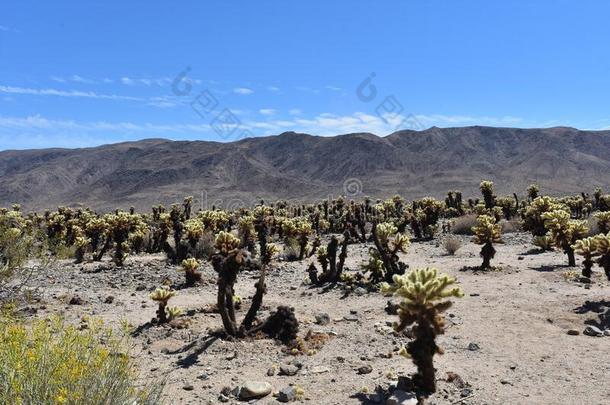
pixel 305 167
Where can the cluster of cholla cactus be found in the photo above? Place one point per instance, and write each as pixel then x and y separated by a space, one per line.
pixel 594 249
pixel 486 233
pixel 332 270
pixel 165 313
pixel 533 219
pixel 564 232
pixel 384 262
pixel 423 294
pixel 487 189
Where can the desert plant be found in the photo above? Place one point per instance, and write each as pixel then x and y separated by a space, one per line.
pixel 486 233
pixel 565 232
pixel 532 192
pixel 50 362
pixel 587 248
pixel 463 225
pixel 190 266
pixel 532 217
pixel 121 225
pixel 487 189
pixel 388 243
pixel 603 221
pixel 161 296
pixel 602 243
pixel 327 257
pixel 451 243
pixel 423 293
pixel 544 242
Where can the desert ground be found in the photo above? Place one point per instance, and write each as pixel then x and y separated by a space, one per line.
pixel 506 342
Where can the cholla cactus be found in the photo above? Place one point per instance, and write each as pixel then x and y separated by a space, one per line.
pixel 602 243
pixel 532 192
pixel 532 217
pixel 246 232
pixel 423 292
pixel 226 242
pixel 388 243
pixel 587 248
pixel 487 189
pixel 162 295
pixel 121 225
pixel 603 221
pixel 214 220
pixel 564 231
pixel 193 231
pixel 486 233
pixel 190 266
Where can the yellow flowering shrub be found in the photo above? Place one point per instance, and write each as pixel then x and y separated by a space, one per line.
pixel 50 362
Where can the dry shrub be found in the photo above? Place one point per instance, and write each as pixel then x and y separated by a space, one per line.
pixel 512 226
pixel 463 225
pixel 309 345
pixel 451 243
pixel 205 245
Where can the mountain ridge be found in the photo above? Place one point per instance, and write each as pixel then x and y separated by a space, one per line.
pixel 301 166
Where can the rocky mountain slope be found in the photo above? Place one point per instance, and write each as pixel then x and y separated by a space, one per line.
pixel 305 167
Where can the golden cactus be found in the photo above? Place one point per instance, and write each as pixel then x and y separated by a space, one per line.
pixel 587 248
pixel 422 292
pixel 603 221
pixel 486 233
pixel 602 243
pixel 190 266
pixel 226 242
pixel 564 232
pixel 162 295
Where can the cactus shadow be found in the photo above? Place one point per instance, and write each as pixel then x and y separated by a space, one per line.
pixel 196 347
pixel 602 308
pixel 549 269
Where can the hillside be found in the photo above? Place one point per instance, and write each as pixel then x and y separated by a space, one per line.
pixel 304 167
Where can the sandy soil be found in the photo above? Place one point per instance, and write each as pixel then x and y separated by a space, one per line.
pixel 518 317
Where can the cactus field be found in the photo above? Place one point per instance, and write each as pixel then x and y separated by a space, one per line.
pixel 474 299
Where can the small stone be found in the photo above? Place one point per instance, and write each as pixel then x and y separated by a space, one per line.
pixel 591 330
pixel 223 398
pixel 573 332
pixel 141 287
pixel 288 369
pixel 109 299
pixel 320 369
pixel 607 332
pixel 76 300
pixel 465 392
pixel 359 291
pixel 188 387
pixel 366 369
pixel 402 398
pixel 351 318
pixel 271 372
pixel 254 389
pixel 505 382
pixel 287 394
pixel 473 347
pixel 322 318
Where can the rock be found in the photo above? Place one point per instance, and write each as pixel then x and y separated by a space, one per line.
pixel 76 300
pixel 141 287
pixel 505 382
pixel 320 369
pixel 351 318
pixel 223 398
pixel 366 369
pixel 402 398
pixel 465 392
pixel 607 332
pixel 271 372
pixel 573 332
pixel 591 330
pixel 254 389
pixel 322 319
pixel 287 394
pixel 359 291
pixel 288 369
pixel 473 347
pixel 188 387
pixel 109 299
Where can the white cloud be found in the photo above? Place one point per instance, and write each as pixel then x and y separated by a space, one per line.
pixel 243 90
pixel 273 89
pixel 334 88
pixel 65 93
pixel 267 111
pixel 128 81
pixel 80 79
pixel 58 79
pixel 4 28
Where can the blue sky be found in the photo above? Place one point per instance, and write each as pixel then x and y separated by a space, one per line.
pixel 83 73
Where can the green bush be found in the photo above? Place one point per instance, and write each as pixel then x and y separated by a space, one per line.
pixel 50 362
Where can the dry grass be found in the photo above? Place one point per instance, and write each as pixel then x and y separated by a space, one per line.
pixel 451 243
pixel 463 225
